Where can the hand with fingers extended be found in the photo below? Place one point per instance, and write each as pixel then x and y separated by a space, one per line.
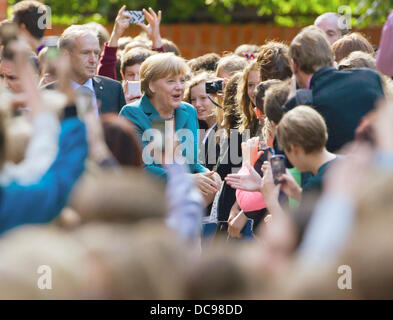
pixel 153 28
pixel 122 22
pixel 248 182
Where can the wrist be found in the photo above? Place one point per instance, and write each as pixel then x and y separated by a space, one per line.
pixel 113 40
pixel 272 205
pixel 297 193
pixel 157 42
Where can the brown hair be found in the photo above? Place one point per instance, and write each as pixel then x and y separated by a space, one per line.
pixel 260 92
pixel 248 117
pixel 349 43
pixel 29 13
pixel 310 50
pixel 275 98
pixel 303 127
pixel 207 62
pixel 135 56
pixel 274 62
pixel 170 46
pixel 122 140
pixel 231 108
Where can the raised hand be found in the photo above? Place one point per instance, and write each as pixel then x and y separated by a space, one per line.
pixel 153 28
pixel 270 191
pixel 122 22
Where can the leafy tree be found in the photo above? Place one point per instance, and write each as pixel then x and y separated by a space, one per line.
pixel 299 12
pixel 283 12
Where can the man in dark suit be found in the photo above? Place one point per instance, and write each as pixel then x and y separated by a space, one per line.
pixel 341 97
pixel 83 47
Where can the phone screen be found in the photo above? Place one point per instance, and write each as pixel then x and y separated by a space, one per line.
pixel 278 167
pixel 136 16
pixel 134 88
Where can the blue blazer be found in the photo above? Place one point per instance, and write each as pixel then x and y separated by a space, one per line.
pixel 142 112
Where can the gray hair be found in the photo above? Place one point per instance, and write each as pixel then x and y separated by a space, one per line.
pixel 67 38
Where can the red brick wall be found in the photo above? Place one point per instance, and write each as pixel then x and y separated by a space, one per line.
pixel 197 39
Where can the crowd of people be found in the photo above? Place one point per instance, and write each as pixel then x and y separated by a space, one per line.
pixel 133 173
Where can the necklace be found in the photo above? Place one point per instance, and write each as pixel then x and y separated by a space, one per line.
pixel 170 117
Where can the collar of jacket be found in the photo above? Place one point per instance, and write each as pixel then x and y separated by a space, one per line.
pixel 320 73
pixel 181 114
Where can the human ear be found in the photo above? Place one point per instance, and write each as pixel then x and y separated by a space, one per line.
pixel 152 86
pixel 294 67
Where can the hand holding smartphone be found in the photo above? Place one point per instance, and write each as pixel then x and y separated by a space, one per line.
pixel 278 167
pixel 136 16
pixel 134 88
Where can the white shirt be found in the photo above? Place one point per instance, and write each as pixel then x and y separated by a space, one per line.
pixel 88 84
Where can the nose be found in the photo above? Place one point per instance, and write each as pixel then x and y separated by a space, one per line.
pixel 179 85
pixel 93 58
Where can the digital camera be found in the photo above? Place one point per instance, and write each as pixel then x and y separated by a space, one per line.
pixel 216 86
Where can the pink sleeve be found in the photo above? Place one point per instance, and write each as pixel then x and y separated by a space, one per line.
pixel 385 52
pixel 107 66
pixel 249 201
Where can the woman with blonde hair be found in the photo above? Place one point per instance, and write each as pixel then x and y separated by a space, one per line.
pixel 163 78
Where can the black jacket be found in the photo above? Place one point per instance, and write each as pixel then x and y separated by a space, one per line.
pixel 109 94
pixel 343 98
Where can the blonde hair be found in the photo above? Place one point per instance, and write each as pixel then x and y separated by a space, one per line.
pixel 303 127
pixel 311 50
pixel 248 117
pixel 160 66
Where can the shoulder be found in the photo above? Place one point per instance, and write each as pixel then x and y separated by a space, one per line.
pixel 107 81
pixel 132 111
pixel 188 107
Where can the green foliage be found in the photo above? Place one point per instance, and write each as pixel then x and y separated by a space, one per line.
pixel 300 12
pixel 283 12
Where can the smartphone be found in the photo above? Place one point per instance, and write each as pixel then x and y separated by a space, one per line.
pixel 278 166
pixel 134 88
pixel 136 16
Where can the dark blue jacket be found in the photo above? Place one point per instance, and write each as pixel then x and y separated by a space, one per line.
pixel 343 98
